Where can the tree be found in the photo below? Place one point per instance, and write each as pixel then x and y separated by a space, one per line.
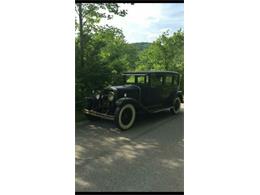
pixel 165 53
pixel 88 46
pixel 89 14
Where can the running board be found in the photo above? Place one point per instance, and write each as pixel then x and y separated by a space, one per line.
pixel 159 110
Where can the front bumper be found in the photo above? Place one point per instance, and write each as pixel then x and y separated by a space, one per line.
pixel 98 114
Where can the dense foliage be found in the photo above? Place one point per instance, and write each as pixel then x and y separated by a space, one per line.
pixel 102 52
pixel 166 53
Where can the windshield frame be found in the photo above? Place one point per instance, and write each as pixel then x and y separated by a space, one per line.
pixel 136 78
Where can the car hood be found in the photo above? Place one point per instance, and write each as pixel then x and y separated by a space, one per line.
pixel 124 88
pixel 132 91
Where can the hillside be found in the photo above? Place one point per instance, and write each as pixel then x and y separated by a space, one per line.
pixel 141 45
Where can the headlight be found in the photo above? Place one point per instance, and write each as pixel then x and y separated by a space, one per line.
pixel 111 96
pixel 97 96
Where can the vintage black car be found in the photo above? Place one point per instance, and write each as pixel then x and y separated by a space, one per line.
pixel 141 92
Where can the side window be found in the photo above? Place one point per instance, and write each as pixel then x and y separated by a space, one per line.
pixel 168 81
pixel 175 80
pixel 156 81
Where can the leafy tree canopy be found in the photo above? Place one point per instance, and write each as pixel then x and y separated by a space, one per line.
pixel 102 52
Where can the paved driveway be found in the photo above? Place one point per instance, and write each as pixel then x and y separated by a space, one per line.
pixel 147 157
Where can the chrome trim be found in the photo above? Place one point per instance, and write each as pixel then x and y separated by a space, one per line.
pixel 113 88
pixel 99 114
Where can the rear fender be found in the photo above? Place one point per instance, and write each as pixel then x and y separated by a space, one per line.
pixel 180 95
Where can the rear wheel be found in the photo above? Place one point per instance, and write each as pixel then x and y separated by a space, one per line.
pixel 125 116
pixel 176 106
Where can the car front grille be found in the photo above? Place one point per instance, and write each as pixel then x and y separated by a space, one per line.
pixel 104 102
pixel 104 105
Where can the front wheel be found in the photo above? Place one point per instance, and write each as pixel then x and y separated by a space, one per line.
pixel 125 116
pixel 176 106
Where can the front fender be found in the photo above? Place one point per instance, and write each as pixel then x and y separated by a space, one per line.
pixel 126 100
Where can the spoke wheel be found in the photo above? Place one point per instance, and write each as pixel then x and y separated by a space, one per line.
pixel 176 106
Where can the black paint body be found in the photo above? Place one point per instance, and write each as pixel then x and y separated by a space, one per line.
pixel 146 96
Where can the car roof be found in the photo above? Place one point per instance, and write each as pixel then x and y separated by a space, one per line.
pixel 150 72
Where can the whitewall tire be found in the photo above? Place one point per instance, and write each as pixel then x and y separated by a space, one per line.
pixel 125 116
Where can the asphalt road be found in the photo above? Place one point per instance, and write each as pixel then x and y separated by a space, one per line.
pixel 147 157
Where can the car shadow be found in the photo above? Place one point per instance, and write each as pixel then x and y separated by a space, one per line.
pixel 143 123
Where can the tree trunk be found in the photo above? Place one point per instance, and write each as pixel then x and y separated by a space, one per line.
pixel 81 35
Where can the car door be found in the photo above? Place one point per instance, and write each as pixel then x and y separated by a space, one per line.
pixel 142 82
pixel 155 90
pixel 167 89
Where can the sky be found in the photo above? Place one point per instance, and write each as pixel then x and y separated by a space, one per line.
pixel 146 21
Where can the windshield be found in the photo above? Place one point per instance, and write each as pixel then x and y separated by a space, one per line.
pixel 135 79
pixel 130 79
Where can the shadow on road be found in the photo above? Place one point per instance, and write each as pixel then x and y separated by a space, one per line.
pixel 108 159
